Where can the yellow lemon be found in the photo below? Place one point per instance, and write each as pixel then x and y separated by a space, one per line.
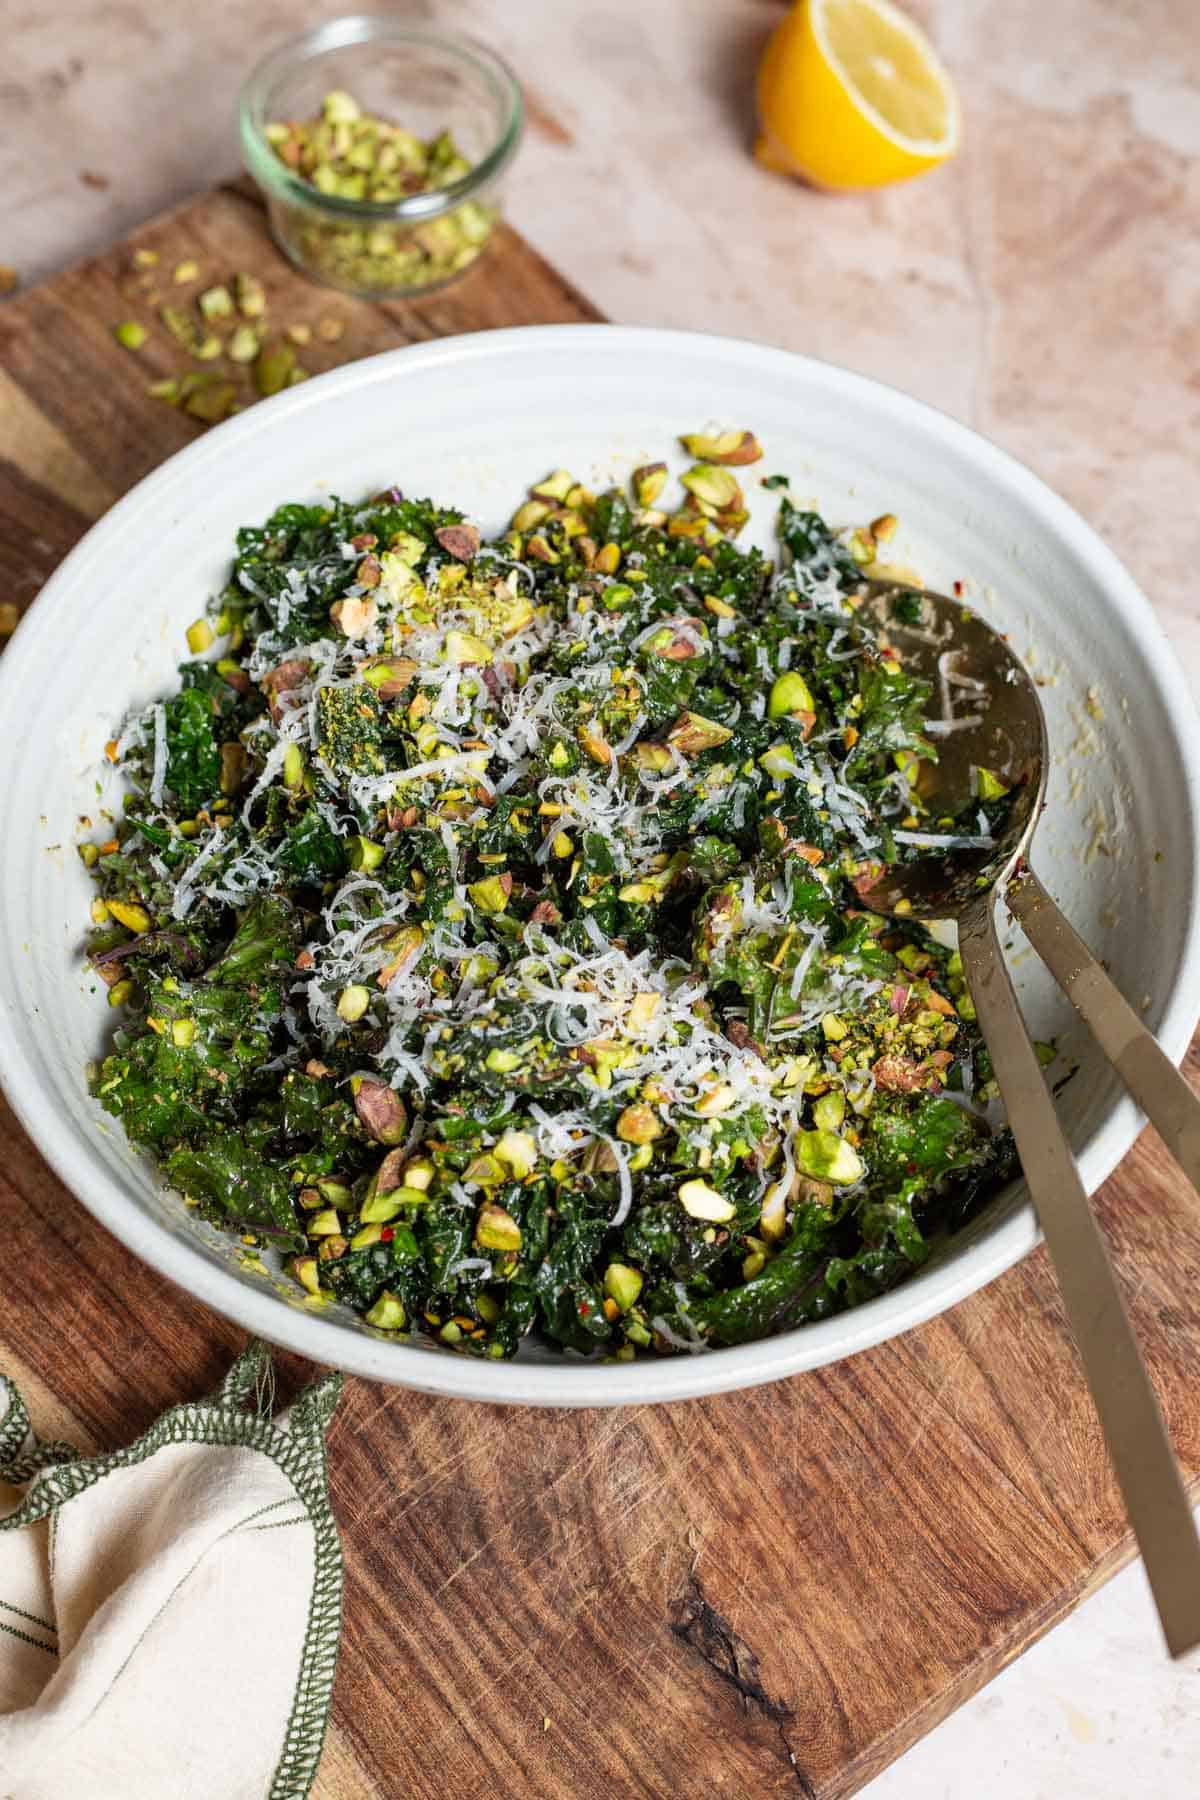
pixel 851 95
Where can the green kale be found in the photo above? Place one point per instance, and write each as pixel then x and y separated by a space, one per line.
pixel 193 758
pixel 786 1292
pixel 238 1188
pixel 311 850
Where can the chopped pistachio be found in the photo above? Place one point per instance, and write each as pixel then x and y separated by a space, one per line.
pixel 212 402
pixel 131 334
pixel 381 1111
pixel 199 636
pixel 622 1284
pixel 216 303
pixel 354 155
pixel 249 296
pixel 293 766
pixel 648 482
pixel 388 1313
pixel 491 894
pixel 700 1201
pixel 273 367
pixel 186 271
pixel 692 733
pixel 202 345
pixel 517 1150
pixel 244 345
pixel 790 694
pixel 496 1229
pixel 502 1062
pixel 712 486
pixel 330 328
pixel 716 1100
pixel 829 1110
pixel 145 259
pixel 639 1125
pixel 365 854
pixel 10 617
pixel 378 1208
pixel 120 992
pixel 463 647
pixel 353 1002
pixel 828 1157
pixel 305 1269
pixel 988 785
pixel 129 914
pixel 299 334
pixel 530 514
pixel 728 447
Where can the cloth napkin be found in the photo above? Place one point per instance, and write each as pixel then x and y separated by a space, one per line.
pixel 170 1613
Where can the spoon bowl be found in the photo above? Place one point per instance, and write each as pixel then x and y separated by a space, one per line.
pixel 990 735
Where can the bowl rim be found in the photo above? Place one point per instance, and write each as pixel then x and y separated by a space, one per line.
pixel 365 28
pixel 573 1381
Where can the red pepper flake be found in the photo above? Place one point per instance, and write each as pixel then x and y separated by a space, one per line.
pixel 958 588
pixel 584 1309
pixel 386 1235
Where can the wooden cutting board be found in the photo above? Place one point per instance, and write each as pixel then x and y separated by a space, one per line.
pixel 770 1593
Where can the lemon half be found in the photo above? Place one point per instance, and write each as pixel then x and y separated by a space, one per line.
pixel 852 95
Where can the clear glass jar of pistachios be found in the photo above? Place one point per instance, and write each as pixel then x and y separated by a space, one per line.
pixel 379 149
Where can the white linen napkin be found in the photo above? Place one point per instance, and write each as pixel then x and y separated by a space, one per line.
pixel 170 1613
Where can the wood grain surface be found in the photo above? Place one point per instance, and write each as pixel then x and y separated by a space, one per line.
pixel 768 1593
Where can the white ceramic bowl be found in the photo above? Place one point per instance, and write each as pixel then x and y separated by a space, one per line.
pixel 473 420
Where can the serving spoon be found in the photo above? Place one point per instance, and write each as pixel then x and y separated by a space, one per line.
pixel 992 720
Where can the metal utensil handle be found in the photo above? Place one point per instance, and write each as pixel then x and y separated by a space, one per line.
pixel 1149 1074
pixel 1137 1440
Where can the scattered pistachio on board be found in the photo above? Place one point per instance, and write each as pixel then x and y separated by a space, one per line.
pixel 348 154
pixel 225 327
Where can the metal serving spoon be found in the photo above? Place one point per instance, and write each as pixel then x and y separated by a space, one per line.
pixel 992 719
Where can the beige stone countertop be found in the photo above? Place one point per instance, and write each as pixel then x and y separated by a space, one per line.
pixel 1044 287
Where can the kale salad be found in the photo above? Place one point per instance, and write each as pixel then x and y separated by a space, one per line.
pixel 485 926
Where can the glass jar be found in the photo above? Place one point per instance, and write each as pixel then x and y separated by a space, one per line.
pixel 428 84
